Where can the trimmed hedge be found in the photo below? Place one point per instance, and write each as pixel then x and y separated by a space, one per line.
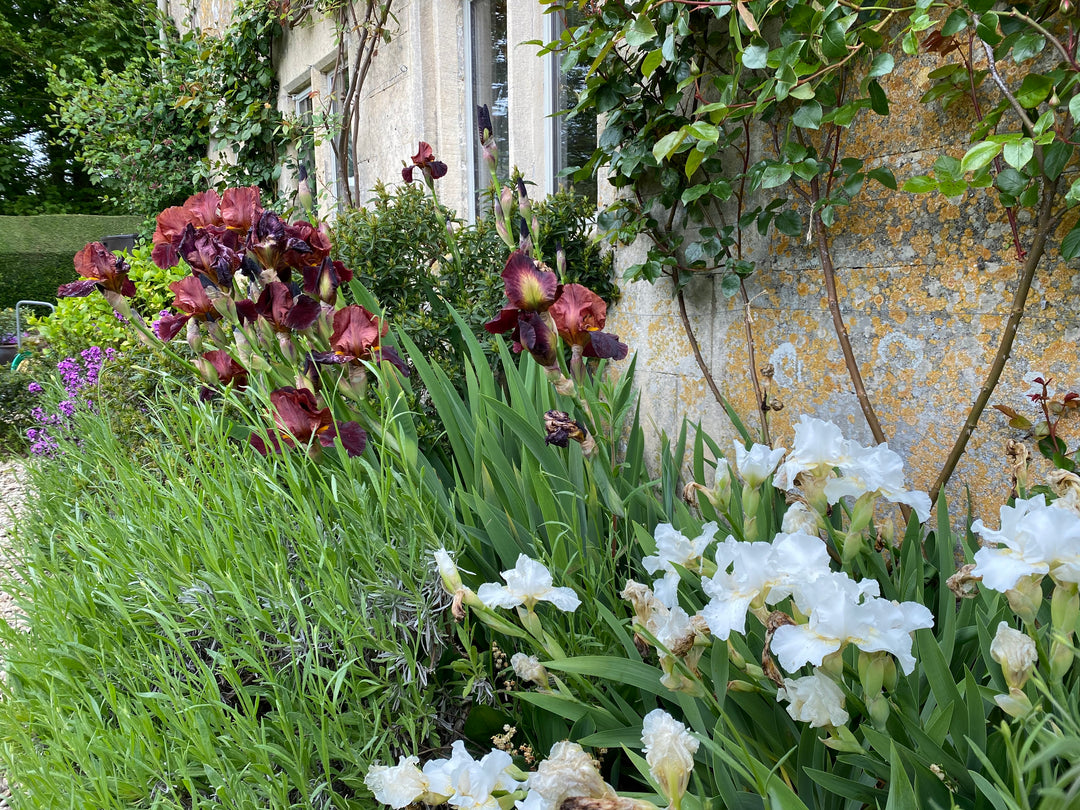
pixel 36 252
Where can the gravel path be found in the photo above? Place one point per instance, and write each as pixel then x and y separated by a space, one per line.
pixel 12 496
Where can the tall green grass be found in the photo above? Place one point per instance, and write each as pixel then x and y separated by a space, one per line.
pixel 209 628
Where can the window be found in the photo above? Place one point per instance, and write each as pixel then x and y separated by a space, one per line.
pixel 487 42
pixel 332 122
pixel 305 148
pixel 574 136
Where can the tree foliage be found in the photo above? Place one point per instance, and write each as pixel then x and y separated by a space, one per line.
pixel 144 130
pixel 38 173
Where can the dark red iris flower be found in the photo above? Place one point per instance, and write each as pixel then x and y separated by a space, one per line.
pixel 282 309
pixel 228 370
pixel 424 160
pixel 579 315
pixel 191 300
pixel 299 420
pixel 101 269
pixel 357 336
pixel 322 281
pixel 531 289
pixel 233 212
pixel 214 254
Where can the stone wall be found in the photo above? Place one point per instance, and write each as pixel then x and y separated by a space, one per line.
pixel 925 285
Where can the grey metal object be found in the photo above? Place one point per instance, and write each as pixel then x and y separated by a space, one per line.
pixel 18 319
pixel 120 241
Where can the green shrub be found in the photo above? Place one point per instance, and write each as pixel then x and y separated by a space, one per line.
pixel 36 252
pixel 209 628
pixel 91 321
pixel 399 251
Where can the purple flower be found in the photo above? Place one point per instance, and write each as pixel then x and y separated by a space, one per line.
pixel 34 388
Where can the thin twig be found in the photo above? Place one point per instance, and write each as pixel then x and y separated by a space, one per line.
pixel 694 346
pixel 1038 247
pixel 829 272
pixel 762 403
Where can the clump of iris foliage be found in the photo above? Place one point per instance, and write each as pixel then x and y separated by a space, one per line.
pixel 284 602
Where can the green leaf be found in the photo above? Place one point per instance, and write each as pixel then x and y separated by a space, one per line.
pixel 666 146
pixel 807 116
pixel 1074 108
pixel 882 65
pixel 901 794
pixel 879 102
pixel 1033 90
pixel 640 32
pixel 833 45
pixel 651 62
pixel 755 56
pixel 693 160
pixel 954 23
pixel 920 184
pixel 704 131
pixel 883 176
pixel 775 174
pixel 619 670
pixel 789 223
pixel 1070 245
pixel 978 156
pixel 1018 154
pixel 1055 157
pixel 1011 182
pixel 952 188
pixel 1027 46
pixel 729 285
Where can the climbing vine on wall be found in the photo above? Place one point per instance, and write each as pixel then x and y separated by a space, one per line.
pixel 144 132
pixel 727 117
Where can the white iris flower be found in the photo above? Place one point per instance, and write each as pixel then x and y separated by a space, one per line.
pixel 527 583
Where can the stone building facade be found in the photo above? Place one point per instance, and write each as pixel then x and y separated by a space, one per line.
pixel 925 281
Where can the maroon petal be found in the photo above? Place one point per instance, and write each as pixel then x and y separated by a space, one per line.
pixel 77 289
pixel 331 358
pixel 227 368
pixel 305 311
pixel 169 326
pixel 164 255
pixel 356 331
pixel 602 344
pixel 353 437
pixel 246 311
pixel 407 173
pixel 437 169
pixel 538 338
pixel 390 355
pixel 240 208
pixel 506 320
pixel 203 208
pixel 577 312
pixel 528 287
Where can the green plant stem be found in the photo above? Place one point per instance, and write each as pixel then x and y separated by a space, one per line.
pixel 1043 228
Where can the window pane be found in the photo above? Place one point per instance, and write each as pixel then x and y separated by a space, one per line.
pixel 577 133
pixel 490 87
